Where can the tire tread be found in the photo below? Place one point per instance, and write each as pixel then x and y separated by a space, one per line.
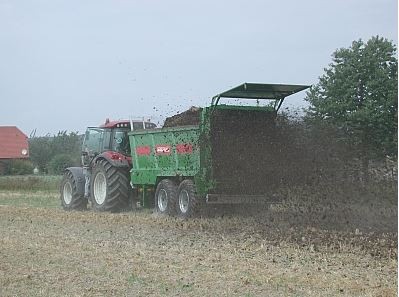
pixel 78 202
pixel 118 190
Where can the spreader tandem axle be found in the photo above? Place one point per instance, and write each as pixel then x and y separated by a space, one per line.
pixel 223 158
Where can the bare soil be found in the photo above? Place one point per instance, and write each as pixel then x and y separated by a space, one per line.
pixel 50 252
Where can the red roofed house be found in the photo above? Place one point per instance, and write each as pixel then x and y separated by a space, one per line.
pixel 13 145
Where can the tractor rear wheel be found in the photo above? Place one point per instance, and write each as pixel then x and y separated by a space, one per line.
pixel 188 202
pixel 109 186
pixel 71 199
pixel 166 197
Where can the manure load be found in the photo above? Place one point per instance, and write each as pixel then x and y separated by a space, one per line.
pixel 186 118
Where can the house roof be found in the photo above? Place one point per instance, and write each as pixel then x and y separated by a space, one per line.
pixel 13 143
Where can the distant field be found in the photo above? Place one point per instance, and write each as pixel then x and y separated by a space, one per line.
pixel 290 249
pixel 30 183
pixel 40 199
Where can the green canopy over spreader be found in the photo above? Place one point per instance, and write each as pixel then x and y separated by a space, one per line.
pixel 257 91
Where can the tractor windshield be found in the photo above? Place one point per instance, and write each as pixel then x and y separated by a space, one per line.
pixel 120 142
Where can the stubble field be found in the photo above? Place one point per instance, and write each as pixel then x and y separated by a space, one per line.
pixel 280 251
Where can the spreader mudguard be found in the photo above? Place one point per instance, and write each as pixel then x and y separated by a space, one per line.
pixel 79 178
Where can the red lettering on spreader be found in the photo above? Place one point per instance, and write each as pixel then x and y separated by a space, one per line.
pixel 162 149
pixel 143 150
pixel 184 148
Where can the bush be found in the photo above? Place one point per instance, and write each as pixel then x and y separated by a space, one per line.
pixel 20 167
pixel 60 162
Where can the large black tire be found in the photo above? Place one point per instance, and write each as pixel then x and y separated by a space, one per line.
pixel 109 187
pixel 166 197
pixel 71 199
pixel 188 203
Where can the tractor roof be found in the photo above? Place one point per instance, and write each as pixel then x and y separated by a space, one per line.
pixel 114 124
pixel 262 91
pixel 121 123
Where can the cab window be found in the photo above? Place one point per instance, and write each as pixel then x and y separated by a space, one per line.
pixel 93 141
pixel 120 142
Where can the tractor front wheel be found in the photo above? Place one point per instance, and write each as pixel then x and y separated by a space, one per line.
pixel 71 199
pixel 109 187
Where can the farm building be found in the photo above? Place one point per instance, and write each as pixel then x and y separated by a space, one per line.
pixel 13 145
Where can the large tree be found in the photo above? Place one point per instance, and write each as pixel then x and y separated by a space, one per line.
pixel 357 94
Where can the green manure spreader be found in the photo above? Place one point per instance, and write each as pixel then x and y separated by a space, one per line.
pixel 221 154
pixel 223 158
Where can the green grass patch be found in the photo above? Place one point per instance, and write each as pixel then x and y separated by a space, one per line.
pixel 37 199
pixel 30 191
pixel 30 183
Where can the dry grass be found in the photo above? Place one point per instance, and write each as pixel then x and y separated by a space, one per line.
pixel 49 252
pixel 30 182
pixel 44 199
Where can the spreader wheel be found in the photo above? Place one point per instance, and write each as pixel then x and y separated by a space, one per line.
pixel 188 204
pixel 166 197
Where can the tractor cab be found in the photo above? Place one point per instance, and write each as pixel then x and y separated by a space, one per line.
pixel 111 140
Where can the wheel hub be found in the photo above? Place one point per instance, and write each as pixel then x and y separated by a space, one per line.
pixel 162 200
pixel 67 193
pixel 100 188
pixel 184 201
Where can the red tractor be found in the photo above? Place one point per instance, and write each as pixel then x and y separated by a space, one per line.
pixel 103 177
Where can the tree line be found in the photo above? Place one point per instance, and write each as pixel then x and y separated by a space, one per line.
pixel 51 154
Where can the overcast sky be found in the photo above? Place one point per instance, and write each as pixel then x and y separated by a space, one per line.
pixel 65 65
